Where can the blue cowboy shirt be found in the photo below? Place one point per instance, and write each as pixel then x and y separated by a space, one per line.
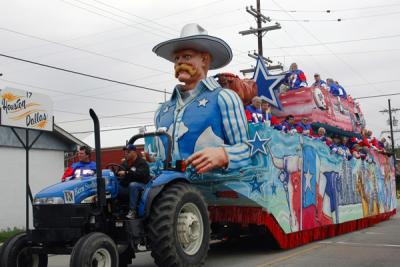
pixel 210 116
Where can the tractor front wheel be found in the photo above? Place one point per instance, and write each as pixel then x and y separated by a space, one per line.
pixel 179 228
pixel 94 250
pixel 16 252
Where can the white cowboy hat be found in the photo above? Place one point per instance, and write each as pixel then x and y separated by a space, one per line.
pixel 193 36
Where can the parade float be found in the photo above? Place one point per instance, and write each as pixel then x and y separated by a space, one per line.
pixel 296 188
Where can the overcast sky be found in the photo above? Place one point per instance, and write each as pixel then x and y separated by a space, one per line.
pixel 113 39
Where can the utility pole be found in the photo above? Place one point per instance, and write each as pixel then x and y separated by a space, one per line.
pixel 390 110
pixel 260 32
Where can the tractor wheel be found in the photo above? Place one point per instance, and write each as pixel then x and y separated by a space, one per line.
pixel 94 250
pixel 16 252
pixel 179 229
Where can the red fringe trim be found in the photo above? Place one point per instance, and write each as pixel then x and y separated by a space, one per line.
pixel 252 215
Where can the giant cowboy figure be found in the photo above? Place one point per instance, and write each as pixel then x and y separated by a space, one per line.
pixel 207 123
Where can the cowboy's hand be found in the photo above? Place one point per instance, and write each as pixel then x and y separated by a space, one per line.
pixel 208 159
pixel 121 173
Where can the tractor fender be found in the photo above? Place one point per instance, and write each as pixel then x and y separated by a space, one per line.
pixel 153 189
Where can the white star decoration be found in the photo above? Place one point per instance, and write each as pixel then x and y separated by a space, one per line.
pixel 166 109
pixel 308 176
pixel 203 102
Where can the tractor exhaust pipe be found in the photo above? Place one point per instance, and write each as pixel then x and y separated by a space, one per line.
pixel 101 195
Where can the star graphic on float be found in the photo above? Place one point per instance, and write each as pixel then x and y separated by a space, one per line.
pixel 273 188
pixel 266 83
pixel 255 184
pixel 203 102
pixel 308 176
pixel 258 144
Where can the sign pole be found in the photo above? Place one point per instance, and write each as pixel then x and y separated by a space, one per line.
pixel 27 178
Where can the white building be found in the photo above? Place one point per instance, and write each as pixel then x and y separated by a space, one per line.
pixel 46 166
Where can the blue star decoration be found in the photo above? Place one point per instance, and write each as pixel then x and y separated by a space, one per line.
pixel 255 184
pixel 258 144
pixel 273 188
pixel 267 83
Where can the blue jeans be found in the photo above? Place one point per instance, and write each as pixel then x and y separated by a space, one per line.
pixel 132 191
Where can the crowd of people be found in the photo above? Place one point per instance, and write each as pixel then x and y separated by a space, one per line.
pixel 295 79
pixel 260 112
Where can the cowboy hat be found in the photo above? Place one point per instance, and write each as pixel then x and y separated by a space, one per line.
pixel 193 36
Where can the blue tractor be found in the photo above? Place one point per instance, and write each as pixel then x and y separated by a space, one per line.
pixel 84 218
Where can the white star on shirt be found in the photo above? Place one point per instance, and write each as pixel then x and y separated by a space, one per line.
pixel 166 109
pixel 308 176
pixel 203 102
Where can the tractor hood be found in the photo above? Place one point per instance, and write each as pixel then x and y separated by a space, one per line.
pixel 82 190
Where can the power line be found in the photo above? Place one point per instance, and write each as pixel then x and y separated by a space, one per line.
pixel 82 50
pixel 342 41
pixel 375 96
pixel 80 95
pixel 327 47
pixel 196 7
pixel 115 129
pixel 134 15
pixel 110 116
pixel 84 74
pixel 338 19
pixel 108 12
pixel 342 53
pixel 330 10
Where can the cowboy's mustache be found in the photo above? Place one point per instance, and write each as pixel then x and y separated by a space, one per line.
pixel 185 67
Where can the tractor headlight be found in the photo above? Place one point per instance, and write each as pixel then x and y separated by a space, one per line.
pixel 91 199
pixel 48 200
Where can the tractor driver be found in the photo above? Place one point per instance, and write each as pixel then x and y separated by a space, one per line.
pixel 133 178
pixel 207 123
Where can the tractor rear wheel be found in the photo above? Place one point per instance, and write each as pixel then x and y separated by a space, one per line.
pixel 16 252
pixel 179 228
pixel 94 250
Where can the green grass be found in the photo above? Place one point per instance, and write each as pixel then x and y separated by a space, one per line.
pixel 7 233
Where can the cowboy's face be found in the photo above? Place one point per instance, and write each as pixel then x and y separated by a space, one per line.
pixel 190 66
pixel 317 78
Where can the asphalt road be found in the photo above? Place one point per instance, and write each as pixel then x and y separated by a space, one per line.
pixel 374 246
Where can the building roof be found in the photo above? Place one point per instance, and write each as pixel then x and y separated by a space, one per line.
pixel 58 139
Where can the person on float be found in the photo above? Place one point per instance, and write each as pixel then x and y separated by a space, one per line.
pixel 83 168
pixel 318 82
pixel 304 126
pixel 295 78
pixel 253 111
pixel 268 118
pixel 364 142
pixel 333 88
pixel 288 125
pixel 382 144
pixel 207 123
pixel 342 91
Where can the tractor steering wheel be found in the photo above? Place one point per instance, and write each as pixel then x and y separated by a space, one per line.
pixel 115 168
